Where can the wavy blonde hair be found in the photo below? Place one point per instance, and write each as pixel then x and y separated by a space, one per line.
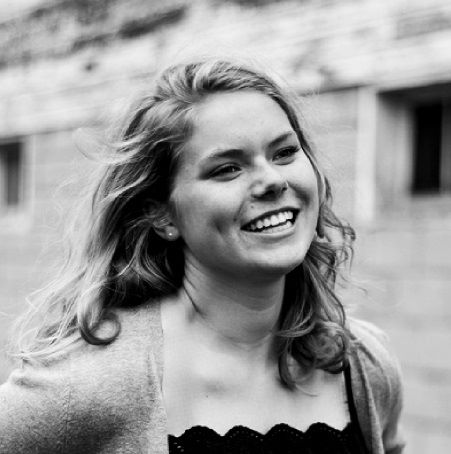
pixel 116 259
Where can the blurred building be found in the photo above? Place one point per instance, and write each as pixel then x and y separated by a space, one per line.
pixel 376 75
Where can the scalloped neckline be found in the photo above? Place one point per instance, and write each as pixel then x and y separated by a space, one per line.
pixel 277 428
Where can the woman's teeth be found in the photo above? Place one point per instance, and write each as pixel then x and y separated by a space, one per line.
pixel 284 218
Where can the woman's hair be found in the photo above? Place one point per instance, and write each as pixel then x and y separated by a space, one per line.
pixel 116 258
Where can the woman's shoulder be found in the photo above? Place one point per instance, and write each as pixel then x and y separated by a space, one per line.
pixel 129 355
pixel 371 347
pixel 85 365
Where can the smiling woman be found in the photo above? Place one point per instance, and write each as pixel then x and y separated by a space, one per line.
pixel 197 309
pixel 227 200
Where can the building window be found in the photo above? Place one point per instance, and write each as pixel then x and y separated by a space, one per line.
pixel 11 176
pixel 431 148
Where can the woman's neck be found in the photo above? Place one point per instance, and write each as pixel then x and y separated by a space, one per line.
pixel 237 312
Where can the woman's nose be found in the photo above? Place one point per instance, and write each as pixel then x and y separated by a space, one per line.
pixel 268 183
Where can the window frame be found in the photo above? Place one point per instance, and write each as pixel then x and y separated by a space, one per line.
pixel 394 152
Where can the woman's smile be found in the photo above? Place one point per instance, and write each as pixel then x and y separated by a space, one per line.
pixel 275 221
pixel 245 197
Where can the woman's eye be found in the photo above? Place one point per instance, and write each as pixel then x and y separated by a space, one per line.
pixel 286 153
pixel 227 170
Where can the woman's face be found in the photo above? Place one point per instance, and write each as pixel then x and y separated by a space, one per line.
pixel 245 196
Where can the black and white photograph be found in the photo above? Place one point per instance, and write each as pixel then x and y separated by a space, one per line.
pixel 225 226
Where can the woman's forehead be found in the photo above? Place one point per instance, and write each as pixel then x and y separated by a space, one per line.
pixel 237 119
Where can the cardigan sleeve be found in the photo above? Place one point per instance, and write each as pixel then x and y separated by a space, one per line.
pixel 90 399
pixel 84 401
pixel 33 410
pixel 379 389
pixel 392 434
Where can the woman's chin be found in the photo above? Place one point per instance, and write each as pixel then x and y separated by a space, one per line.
pixel 272 269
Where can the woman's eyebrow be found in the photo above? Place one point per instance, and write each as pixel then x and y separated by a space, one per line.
pixel 227 153
pixel 235 153
pixel 281 138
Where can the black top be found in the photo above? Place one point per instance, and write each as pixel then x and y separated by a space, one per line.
pixel 319 438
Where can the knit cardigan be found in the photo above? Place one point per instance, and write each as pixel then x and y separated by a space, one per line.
pixel 108 399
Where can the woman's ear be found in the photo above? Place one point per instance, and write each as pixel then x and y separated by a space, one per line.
pixel 165 227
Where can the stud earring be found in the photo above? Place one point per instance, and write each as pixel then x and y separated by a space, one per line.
pixel 171 233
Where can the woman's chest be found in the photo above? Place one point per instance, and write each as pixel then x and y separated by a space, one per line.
pixel 221 392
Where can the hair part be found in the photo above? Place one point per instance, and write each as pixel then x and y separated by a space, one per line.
pixel 116 258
